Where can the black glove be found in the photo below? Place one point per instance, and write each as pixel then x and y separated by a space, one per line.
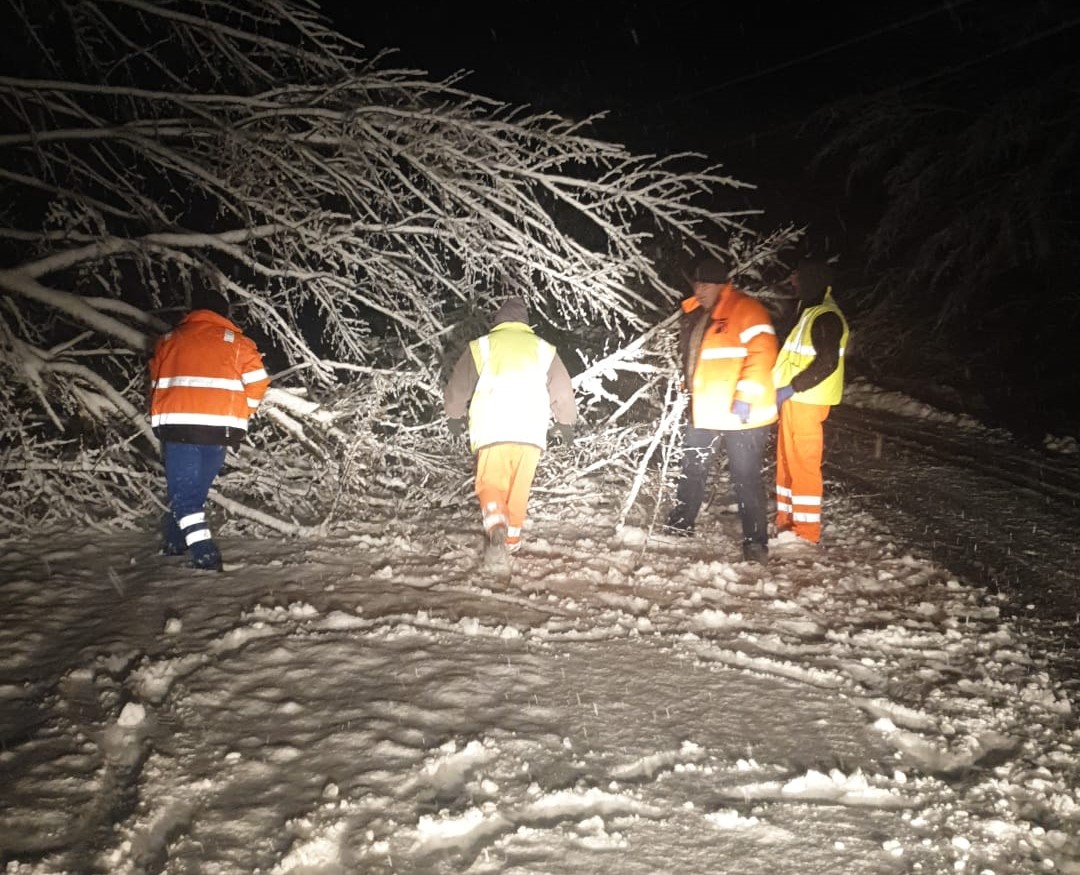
pixel 565 432
pixel 456 426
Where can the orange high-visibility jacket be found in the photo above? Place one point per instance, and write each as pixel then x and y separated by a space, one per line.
pixel 731 361
pixel 207 378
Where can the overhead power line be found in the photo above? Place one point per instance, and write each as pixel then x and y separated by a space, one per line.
pixel 802 59
pixel 921 80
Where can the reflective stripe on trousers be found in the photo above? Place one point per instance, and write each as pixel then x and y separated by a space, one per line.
pixel 504 477
pixel 190 470
pixel 799 485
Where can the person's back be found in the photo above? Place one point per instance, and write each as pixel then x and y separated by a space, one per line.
pixel 207 379
pixel 205 375
pixel 510 401
pixel 509 383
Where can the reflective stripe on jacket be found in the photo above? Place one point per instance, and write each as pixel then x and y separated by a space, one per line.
pixel 207 378
pixel 510 402
pixel 732 362
pixel 798 352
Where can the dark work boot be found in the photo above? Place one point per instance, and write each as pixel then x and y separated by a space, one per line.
pixel 678 524
pixel 172 539
pixel 752 551
pixel 205 556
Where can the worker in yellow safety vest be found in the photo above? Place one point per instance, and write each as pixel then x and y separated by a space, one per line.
pixel 511 383
pixel 809 380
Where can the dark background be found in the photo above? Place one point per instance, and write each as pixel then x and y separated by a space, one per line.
pixel 762 89
pixel 742 83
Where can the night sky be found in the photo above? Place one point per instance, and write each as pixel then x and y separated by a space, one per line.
pixel 739 82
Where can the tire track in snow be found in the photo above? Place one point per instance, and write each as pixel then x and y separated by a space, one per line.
pixel 994 512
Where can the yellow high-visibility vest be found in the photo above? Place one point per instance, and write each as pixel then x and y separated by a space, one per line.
pixel 798 352
pixel 510 403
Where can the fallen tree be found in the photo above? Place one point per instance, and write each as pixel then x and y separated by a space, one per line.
pixel 361 219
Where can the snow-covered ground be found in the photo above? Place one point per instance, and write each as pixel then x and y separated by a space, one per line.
pixel 375 703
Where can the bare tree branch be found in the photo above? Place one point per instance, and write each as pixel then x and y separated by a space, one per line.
pixel 361 220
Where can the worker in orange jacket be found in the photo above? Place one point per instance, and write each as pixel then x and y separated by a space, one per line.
pixel 206 380
pixel 728 348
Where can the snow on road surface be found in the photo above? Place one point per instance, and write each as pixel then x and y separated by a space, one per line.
pixel 375 703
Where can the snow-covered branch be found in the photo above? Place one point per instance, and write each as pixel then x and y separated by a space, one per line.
pixel 361 219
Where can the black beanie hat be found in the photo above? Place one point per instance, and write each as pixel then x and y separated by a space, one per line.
pixel 814 278
pixel 710 270
pixel 205 296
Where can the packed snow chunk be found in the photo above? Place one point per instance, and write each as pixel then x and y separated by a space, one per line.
pixel 153 681
pixel 893 847
pixel 314 853
pixel 853 789
pixel 302 611
pixel 1037 694
pixel 891 714
pixel 631 536
pixel 715 619
pixel 451 768
pixel 647 766
pixel 595 836
pixel 132 715
pixel 122 740
pixel 14 692
pixel 341 620
pixel 1066 445
pixel 284 753
pixel 577 804
pixel 729 818
pixel 173 626
pixel 429 827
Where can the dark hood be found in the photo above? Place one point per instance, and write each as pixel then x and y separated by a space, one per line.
pixel 512 310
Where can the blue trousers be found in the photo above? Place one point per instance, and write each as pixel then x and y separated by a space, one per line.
pixel 190 470
pixel 745 449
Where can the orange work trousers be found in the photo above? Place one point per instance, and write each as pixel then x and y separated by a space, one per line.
pixel 504 476
pixel 799 445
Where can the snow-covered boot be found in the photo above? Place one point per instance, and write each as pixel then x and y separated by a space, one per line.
pixel 496 556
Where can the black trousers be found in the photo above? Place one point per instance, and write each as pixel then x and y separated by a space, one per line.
pixel 744 449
